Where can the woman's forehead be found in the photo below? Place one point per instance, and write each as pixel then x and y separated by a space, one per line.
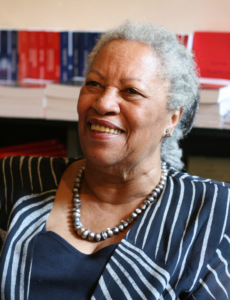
pixel 128 54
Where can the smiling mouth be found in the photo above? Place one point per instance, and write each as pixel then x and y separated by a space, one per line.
pixel 104 129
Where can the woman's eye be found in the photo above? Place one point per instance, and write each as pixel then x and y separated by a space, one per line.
pixel 92 83
pixel 132 91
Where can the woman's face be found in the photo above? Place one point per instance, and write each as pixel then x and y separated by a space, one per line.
pixel 122 106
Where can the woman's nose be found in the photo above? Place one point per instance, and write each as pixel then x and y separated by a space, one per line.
pixel 108 102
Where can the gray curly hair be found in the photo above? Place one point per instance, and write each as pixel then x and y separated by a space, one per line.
pixel 177 67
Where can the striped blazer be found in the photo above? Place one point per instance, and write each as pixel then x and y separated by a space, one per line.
pixel 179 248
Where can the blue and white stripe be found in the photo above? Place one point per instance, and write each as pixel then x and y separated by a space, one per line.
pixel 178 249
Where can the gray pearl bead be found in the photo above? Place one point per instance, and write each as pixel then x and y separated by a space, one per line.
pixel 157 190
pixel 150 198
pixel 104 235
pixel 129 220
pixel 143 206
pixel 115 230
pixel 125 223
pixel 85 233
pixel 138 211
pixel 76 228
pixel 109 232
pixel 76 200
pixel 97 237
pixel 134 215
pixel 80 230
pixel 154 194
pixel 76 214
pixel 147 202
pixel 77 225
pixel 121 227
pixel 91 236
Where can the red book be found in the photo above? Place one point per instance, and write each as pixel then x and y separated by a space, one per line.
pixel 23 55
pixel 53 56
pixel 185 39
pixel 33 54
pixel 212 54
pixel 31 146
pixel 51 147
pixel 41 54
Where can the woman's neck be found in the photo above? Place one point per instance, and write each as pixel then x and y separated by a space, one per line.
pixel 118 185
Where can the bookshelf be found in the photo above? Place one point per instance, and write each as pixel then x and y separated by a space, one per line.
pixel 208 138
pixel 24 130
pixel 200 141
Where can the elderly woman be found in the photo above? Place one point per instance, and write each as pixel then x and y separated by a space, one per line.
pixel 124 222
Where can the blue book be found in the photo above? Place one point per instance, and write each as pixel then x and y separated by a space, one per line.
pixel 84 50
pixel 3 55
pixel 76 41
pixel 12 55
pixel 83 43
pixel 64 56
pixel 70 55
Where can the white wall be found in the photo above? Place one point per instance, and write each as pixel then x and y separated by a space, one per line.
pixel 178 15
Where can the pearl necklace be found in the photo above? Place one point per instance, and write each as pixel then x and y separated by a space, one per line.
pixel 103 235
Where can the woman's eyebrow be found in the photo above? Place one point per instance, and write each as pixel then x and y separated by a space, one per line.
pixel 130 79
pixel 97 72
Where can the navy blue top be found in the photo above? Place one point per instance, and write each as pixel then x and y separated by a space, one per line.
pixel 62 272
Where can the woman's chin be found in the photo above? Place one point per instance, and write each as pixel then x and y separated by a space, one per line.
pixel 101 158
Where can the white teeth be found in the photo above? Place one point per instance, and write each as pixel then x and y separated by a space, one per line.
pixel 99 128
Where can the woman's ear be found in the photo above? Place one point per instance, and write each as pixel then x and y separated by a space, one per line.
pixel 174 118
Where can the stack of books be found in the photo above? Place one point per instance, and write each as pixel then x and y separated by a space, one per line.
pixel 214 108
pixel 52 148
pixel 41 56
pixel 60 101
pixel 21 102
pixel 211 51
pixel 54 101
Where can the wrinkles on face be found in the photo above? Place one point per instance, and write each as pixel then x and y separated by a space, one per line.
pixel 123 91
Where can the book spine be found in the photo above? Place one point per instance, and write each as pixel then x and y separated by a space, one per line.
pixel 14 55
pixel 64 56
pixel 84 50
pixel 182 38
pixel 211 51
pixel 3 55
pixel 51 147
pixel 43 144
pixel 9 55
pixel 23 55
pixel 41 55
pixel 33 54
pixel 76 54
pixel 53 56
pixel 70 55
